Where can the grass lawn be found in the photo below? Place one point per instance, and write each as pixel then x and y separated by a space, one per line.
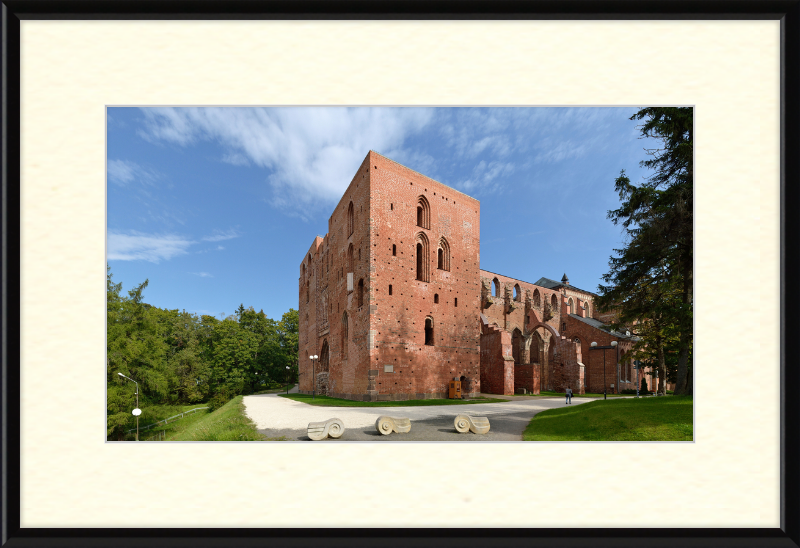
pixel 151 414
pixel 325 401
pixel 667 418
pixel 587 395
pixel 228 423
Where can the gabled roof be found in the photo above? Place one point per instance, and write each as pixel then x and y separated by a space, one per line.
pixel 552 284
pixel 597 324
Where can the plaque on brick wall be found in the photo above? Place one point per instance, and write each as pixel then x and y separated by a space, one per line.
pixel 388 369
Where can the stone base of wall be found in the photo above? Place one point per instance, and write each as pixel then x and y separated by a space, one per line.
pixel 389 397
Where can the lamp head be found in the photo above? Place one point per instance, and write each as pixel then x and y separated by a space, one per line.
pixel 120 374
pixel 613 343
pixel 594 344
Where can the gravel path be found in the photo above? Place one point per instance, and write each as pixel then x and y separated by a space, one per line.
pixel 277 417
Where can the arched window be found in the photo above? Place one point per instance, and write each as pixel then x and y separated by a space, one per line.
pixel 359 254
pixel 423 262
pixel 571 306
pixel 495 288
pixel 436 298
pixel 304 270
pixel 308 298
pixel 517 293
pixel 350 261
pixel 537 299
pixel 350 220
pixel 456 302
pixel 324 357
pixel 429 331
pixel 516 346
pixel 423 213
pixel 394 250
pixel 390 289
pixel 361 292
pixel 443 255
pixel 554 304
pixel 344 336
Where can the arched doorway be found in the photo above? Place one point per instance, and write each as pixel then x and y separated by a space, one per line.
pixel 324 367
pixel 516 346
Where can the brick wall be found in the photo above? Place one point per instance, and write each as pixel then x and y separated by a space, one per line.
pixel 387 356
pixel 497 362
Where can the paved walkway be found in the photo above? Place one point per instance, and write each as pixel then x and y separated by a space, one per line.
pixel 277 417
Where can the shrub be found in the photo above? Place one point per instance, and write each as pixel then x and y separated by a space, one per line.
pixel 219 399
pixel 644 386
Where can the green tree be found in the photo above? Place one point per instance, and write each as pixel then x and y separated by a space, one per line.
pixel 650 279
pixel 289 335
pixel 136 348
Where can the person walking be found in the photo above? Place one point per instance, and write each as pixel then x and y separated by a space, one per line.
pixel 569 395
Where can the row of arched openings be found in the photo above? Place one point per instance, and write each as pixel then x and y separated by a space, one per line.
pixel 537 298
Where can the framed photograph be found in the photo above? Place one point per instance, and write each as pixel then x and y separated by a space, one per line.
pixel 64 64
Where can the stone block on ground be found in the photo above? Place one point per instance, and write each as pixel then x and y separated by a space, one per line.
pixel 386 425
pixel 468 423
pixel 321 430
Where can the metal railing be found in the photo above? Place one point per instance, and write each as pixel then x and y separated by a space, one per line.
pixel 161 436
pixel 165 421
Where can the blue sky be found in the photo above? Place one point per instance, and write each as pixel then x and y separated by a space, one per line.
pixel 216 206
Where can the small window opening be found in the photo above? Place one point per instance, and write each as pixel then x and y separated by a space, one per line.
pixel 394 250
pixel 436 299
pixel 456 301
pixel 428 332
pixel 390 289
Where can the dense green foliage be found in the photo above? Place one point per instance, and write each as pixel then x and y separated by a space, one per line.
pixel 228 423
pixel 325 401
pixel 667 418
pixel 650 279
pixel 180 358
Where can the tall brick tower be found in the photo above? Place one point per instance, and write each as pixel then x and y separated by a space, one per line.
pixel 390 297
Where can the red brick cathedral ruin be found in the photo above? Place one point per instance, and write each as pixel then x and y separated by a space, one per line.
pixel 395 305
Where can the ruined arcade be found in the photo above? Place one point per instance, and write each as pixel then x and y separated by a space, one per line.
pixel 393 302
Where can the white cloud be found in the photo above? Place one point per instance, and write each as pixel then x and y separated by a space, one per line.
pixel 485 175
pixel 219 236
pixel 136 246
pixel 202 274
pixel 122 172
pixel 311 153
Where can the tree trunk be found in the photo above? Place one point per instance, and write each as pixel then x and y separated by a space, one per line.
pixel 682 386
pixel 662 367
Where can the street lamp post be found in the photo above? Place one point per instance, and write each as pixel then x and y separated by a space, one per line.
pixel 636 364
pixel 287 380
pixel 137 411
pixel 604 348
pixel 313 376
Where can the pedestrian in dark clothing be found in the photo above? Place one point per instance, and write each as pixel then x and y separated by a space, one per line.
pixel 569 395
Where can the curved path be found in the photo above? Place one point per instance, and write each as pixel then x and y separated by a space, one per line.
pixel 277 417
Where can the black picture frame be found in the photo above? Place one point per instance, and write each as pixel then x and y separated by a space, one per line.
pixel 787 12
